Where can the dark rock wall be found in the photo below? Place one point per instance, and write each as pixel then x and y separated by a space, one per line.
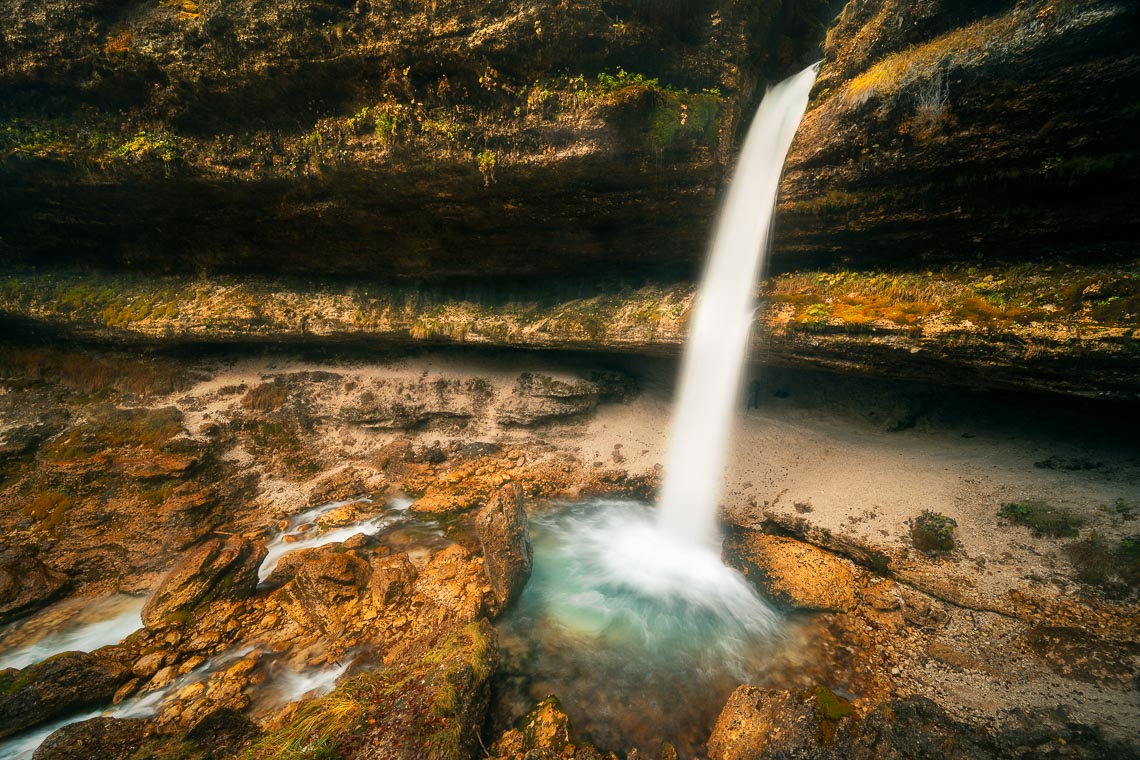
pixel 388 138
pixel 952 130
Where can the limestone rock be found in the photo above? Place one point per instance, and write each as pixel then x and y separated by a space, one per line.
pixel 329 586
pixel 57 686
pixel 465 487
pixel 546 727
pixel 94 738
pixel 792 572
pixel 453 587
pixel 759 723
pixel 392 578
pixel 215 570
pixel 502 530
pixel 340 484
pixel 538 399
pixel 26 584
pixel 149 664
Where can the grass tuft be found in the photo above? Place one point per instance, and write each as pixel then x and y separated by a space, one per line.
pixel 1043 519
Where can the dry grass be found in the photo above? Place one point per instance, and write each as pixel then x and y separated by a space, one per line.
pixel 315 728
pixel 997 299
pixel 267 397
pixel 112 428
pixel 49 509
pixel 965 46
pixel 93 375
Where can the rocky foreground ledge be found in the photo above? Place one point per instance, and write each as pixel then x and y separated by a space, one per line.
pixel 1059 328
pixel 184 473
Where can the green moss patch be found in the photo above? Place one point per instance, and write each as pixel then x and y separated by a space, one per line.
pixel 933 531
pixel 1042 518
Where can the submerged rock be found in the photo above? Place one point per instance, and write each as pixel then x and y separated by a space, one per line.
pixel 791 572
pixel 215 570
pixel 546 727
pixel 502 530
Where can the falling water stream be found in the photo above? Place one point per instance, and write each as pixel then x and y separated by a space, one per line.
pixel 630 615
pixel 717 346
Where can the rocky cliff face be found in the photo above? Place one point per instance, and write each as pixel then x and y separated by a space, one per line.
pixel 444 138
pixel 959 203
pixel 957 130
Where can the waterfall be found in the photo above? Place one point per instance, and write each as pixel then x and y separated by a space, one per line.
pixel 710 387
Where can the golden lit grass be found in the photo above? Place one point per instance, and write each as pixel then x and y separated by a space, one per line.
pixel 965 46
pixel 110 428
pixel 314 729
pixel 49 509
pixel 857 300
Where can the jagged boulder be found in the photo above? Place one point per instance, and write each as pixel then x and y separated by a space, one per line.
pixel 328 589
pixel 57 686
pixel 452 589
pixel 26 584
pixel 502 530
pixel 791 572
pixel 215 570
pixel 392 578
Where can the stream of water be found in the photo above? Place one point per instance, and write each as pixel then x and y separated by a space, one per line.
pixel 717 344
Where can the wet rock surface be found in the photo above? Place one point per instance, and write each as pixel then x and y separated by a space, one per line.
pixel 502 530
pixel 96 737
pixel 26 584
pixel 758 723
pixel 57 687
pixel 791 572
pixel 215 571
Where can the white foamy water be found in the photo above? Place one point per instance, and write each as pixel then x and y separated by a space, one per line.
pixel 82 625
pixel 639 636
pixel 302 534
pixel 717 344
pixel 287 684
pixel 605 573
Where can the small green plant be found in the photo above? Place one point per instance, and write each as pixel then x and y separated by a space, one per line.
pixel 830 709
pixel 161 145
pixel 1043 519
pixel 486 160
pixel 1121 508
pixel 933 531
